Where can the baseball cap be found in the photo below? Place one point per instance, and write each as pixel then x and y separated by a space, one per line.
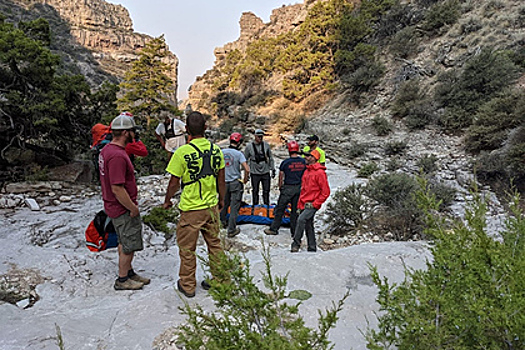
pixel 123 122
pixel 259 132
pixel 313 138
pixel 314 153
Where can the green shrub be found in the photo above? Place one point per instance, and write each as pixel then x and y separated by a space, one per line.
pixel 158 219
pixel 405 43
pixel 397 211
pixel 347 210
pixel 381 126
pixel 461 93
pixel 444 194
pixel 247 317
pixel 420 116
pixel 441 14
pixel 427 163
pixel 395 148
pixel 469 297
pixel 355 150
pixel 394 164
pixel 368 169
pixel 366 77
pixel 413 104
pixel 493 120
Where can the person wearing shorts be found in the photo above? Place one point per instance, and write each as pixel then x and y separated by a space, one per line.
pixel 119 193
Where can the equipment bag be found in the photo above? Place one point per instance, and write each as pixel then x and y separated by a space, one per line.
pixel 100 233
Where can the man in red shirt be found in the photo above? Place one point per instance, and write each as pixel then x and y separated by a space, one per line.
pixel 119 192
pixel 314 192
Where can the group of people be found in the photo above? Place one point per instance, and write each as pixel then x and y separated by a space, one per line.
pixel 210 182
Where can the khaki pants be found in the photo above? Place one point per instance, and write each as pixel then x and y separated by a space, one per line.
pixel 190 224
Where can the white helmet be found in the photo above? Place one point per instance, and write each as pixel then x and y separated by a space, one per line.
pixel 123 122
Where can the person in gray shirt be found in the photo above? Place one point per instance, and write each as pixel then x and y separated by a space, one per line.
pixel 233 160
pixel 260 159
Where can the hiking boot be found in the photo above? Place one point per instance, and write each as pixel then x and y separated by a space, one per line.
pixel 294 249
pixel 186 294
pixel 128 284
pixel 205 285
pixel 234 233
pixel 313 250
pixel 270 232
pixel 138 278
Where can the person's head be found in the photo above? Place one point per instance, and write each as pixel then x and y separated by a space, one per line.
pixel 259 135
pixel 312 157
pixel 313 141
pixel 124 127
pixel 293 147
pixel 235 140
pixel 196 124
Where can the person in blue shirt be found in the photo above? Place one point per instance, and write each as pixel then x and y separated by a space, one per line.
pixel 290 173
pixel 234 160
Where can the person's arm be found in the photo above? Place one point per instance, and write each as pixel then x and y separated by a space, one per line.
pixel 161 140
pixel 246 172
pixel 123 197
pixel 173 186
pixel 221 177
pixel 281 178
pixel 137 148
pixel 272 163
pixel 324 193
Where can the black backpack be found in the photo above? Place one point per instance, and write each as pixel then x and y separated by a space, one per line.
pixel 206 168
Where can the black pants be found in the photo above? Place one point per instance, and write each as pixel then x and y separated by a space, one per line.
pixel 305 222
pixel 289 194
pixel 233 199
pixel 256 180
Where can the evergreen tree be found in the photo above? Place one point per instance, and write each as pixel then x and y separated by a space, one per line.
pixel 40 110
pixel 147 87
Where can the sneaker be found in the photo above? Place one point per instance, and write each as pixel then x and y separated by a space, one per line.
pixel 294 249
pixel 234 233
pixel 186 294
pixel 205 285
pixel 138 278
pixel 128 284
pixel 270 232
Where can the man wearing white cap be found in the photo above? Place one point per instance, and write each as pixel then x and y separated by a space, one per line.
pixel 119 192
pixel 261 163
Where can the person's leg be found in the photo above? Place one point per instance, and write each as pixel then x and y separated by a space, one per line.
pixel 299 230
pixel 278 212
pixel 235 204
pixel 188 228
pixel 227 202
pixel 296 191
pixel 310 232
pixel 210 232
pixel 266 188
pixel 256 180
pixel 124 262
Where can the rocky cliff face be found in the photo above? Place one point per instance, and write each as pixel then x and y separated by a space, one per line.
pixel 282 20
pixel 104 29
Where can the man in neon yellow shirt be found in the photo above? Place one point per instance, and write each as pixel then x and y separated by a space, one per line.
pixel 313 143
pixel 197 167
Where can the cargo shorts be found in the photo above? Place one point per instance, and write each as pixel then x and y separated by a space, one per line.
pixel 129 232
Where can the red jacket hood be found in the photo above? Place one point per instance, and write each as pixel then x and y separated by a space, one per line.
pixel 314 186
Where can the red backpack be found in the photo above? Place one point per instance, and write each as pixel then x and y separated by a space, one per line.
pixel 100 233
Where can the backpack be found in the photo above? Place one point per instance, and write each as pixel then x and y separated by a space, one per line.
pixel 100 136
pixel 100 233
pixel 259 156
pixel 206 168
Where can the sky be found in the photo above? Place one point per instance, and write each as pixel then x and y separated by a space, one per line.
pixel 194 28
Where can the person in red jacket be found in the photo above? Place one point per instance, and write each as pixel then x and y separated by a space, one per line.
pixel 314 192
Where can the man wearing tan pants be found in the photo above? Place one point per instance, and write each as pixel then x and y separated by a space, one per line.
pixel 197 167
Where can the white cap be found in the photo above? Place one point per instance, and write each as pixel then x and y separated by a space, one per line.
pixel 123 122
pixel 259 132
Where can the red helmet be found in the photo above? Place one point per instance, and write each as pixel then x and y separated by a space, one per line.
pixel 127 113
pixel 293 146
pixel 236 137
